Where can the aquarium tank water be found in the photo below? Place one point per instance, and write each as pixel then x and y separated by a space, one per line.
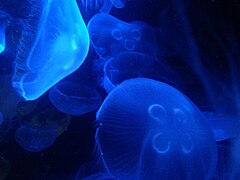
pixel 119 90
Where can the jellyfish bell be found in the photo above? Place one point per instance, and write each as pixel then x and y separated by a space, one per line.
pixel 53 44
pixel 127 65
pixel 150 130
pixel 35 140
pixel 110 36
pixel 74 99
pixel 46 119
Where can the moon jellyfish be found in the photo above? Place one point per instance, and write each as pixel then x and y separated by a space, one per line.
pixel 74 99
pixel 129 65
pixel 5 167
pixel 110 36
pixel 150 130
pixel 4 20
pixel 48 119
pixel 35 140
pixel 53 44
pixel 224 126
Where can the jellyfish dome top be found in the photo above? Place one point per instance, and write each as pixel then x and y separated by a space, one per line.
pixel 53 44
pixel 110 36
pixel 150 130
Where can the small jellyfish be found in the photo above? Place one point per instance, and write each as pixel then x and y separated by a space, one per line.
pixel 110 36
pixel 54 43
pixel 35 140
pixel 150 130
pixel 129 65
pixel 74 99
pixel 4 22
pixel 49 118
pixel 223 126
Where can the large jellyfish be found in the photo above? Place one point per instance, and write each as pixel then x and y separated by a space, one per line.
pixel 129 65
pixel 110 35
pixel 35 140
pixel 53 44
pixel 74 99
pixel 150 130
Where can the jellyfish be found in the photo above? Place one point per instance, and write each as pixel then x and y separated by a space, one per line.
pixel 35 140
pixel 74 99
pixel 47 119
pixel 224 126
pixel 110 36
pixel 129 65
pixel 150 130
pixel 4 21
pixel 53 44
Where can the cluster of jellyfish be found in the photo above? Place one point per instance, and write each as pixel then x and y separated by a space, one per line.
pixel 146 125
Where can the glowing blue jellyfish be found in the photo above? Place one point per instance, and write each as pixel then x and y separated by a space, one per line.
pixel 150 130
pixel 4 21
pixel 129 65
pixel 35 140
pixel 74 99
pixel 53 44
pixel 110 36
pixel 224 126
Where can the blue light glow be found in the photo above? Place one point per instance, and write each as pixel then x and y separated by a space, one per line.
pixel 148 128
pixel 50 49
